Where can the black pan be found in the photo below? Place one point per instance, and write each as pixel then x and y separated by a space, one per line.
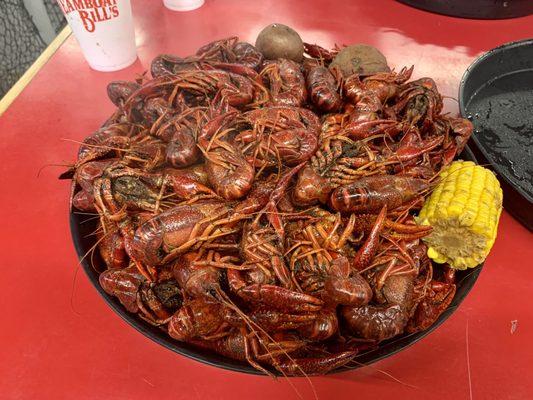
pixel 477 9
pixel 496 94
pixel 82 226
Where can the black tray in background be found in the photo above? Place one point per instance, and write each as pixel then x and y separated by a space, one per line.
pixel 475 9
pixel 82 226
pixel 496 94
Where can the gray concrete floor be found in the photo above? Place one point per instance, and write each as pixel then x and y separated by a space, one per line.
pixel 26 28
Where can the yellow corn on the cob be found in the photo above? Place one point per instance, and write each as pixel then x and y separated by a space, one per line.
pixel 464 210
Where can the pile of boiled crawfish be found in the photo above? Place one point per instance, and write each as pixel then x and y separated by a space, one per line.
pixel 263 209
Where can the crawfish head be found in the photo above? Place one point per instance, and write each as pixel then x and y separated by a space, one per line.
pixel 167 64
pixel 289 146
pixel 311 187
pixel 182 150
pixel 169 293
pixel 462 129
pixel 198 318
pixel 287 83
pixel 218 50
pixel 330 166
pixel 112 249
pixel 248 55
pixel 130 189
pixel 146 154
pixel 437 298
pixel 350 290
pixel 322 88
pixel 420 101
pixel 325 325
pixel 84 177
pixel 397 289
pixel 229 173
pixel 107 140
pixel 370 194
pixel 313 247
pixel 320 53
pixel 119 91
pixel 386 85
pixel 173 232
pixel 375 322
pixel 123 284
pixel 196 279
pixel 262 249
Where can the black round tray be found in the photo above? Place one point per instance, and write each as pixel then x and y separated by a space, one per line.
pixel 81 229
pixel 496 93
pixel 476 9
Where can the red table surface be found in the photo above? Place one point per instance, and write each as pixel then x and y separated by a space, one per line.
pixel 60 340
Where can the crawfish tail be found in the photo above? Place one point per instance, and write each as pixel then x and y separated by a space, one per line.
pixel 365 222
pixel 315 365
pixel 368 249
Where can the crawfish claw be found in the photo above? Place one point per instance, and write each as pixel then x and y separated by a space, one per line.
pixel 281 298
pixel 315 365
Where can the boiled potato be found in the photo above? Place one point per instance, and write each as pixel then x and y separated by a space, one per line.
pixel 280 41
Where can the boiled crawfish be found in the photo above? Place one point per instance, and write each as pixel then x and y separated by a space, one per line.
pixel 264 209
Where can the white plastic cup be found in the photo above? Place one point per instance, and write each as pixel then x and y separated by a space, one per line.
pixel 104 30
pixel 183 5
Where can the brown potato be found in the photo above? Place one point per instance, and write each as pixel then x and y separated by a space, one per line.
pixel 280 41
pixel 360 59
